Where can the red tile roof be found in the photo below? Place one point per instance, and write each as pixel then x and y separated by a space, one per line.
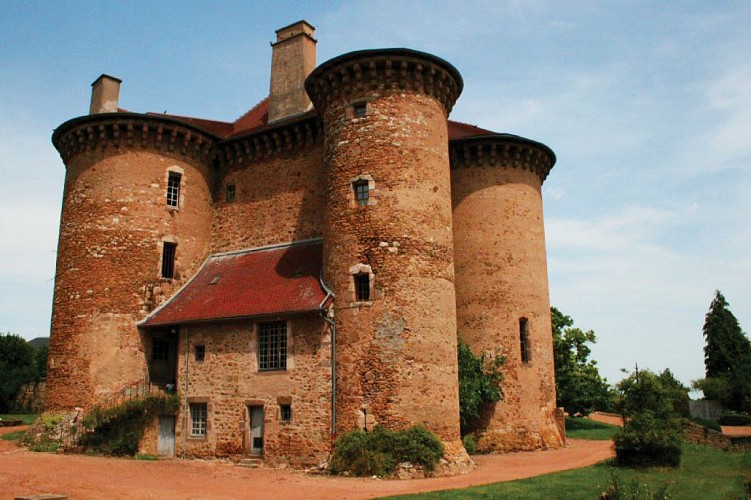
pixel 459 130
pixel 258 117
pixel 276 280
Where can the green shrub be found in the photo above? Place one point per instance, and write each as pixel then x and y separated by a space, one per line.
pixel 480 379
pixel 146 457
pixel 118 430
pixel 470 443
pixel 647 441
pixel 735 419
pixel 632 489
pixel 378 453
pixel 708 424
pixel 45 446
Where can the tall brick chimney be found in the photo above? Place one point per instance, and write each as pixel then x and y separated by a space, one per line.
pixel 293 58
pixel 105 95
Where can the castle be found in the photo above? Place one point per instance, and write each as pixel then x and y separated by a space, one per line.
pixel 308 268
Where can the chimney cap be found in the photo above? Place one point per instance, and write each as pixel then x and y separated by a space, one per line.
pixel 301 27
pixel 109 77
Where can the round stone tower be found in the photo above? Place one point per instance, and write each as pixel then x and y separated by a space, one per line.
pixel 388 240
pixel 503 306
pixel 136 220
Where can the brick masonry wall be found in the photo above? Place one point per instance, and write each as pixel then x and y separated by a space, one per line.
pixel 228 380
pixel 501 276
pixel 278 200
pixel 397 353
pixel 113 222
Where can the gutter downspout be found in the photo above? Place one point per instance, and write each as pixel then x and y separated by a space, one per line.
pixel 186 409
pixel 332 324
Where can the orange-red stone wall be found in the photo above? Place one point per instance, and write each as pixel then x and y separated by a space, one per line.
pixel 396 353
pixel 113 222
pixel 229 380
pixel 278 200
pixel 501 276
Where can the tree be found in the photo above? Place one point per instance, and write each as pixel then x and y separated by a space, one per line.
pixel 17 367
pixel 579 386
pixel 479 384
pixel 651 433
pixel 727 357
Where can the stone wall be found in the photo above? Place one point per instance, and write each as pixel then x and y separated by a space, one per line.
pixel 228 381
pixel 112 228
pixel 277 200
pixel 697 434
pixel 501 277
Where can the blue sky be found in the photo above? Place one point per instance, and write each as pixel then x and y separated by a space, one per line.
pixel 646 104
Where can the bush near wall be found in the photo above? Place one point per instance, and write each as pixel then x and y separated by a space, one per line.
pixel 118 430
pixel 377 453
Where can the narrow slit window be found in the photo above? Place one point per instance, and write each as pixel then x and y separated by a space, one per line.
pixel 168 260
pixel 173 189
pixel 230 193
pixel 362 287
pixel 360 109
pixel 526 348
pixel 362 194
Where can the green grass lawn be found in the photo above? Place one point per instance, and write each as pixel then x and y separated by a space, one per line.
pixel 27 418
pixel 583 428
pixel 704 473
pixel 12 436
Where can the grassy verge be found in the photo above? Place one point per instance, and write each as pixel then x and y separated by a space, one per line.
pixel 27 418
pixel 583 428
pixel 12 436
pixel 704 473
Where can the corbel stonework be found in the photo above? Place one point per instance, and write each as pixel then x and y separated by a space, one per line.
pixel 502 150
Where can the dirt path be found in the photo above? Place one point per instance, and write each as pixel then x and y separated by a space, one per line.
pixel 606 418
pixel 25 473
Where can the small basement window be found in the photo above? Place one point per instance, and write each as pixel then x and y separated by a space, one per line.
pixel 362 194
pixel 362 287
pixel 230 195
pixel 200 352
pixel 526 348
pixel 168 259
pixel 360 109
pixel 173 189
pixel 286 413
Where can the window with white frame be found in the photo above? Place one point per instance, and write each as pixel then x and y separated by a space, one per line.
pixel 198 418
pixel 173 189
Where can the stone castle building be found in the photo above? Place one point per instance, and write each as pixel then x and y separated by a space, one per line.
pixel 308 268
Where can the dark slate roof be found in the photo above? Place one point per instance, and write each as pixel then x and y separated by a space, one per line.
pixel 274 280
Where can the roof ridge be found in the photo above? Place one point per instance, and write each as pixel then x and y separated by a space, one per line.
pixel 265 248
pixel 251 110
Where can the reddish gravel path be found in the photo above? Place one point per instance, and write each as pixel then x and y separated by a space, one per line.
pixel 25 473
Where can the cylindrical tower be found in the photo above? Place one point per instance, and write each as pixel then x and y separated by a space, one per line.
pixel 136 220
pixel 503 304
pixel 388 242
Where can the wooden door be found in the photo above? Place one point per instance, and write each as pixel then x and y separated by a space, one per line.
pixel 256 429
pixel 166 437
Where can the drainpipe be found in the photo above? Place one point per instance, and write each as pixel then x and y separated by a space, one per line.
pixel 332 325
pixel 185 395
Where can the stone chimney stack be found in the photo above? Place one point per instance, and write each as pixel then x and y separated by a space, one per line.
pixel 105 95
pixel 293 58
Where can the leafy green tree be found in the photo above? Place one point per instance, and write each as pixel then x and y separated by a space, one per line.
pixel 479 384
pixel 16 367
pixel 579 386
pixel 727 357
pixel 650 405
pixel 41 354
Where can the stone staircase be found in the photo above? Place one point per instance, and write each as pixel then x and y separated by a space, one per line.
pixel 251 462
